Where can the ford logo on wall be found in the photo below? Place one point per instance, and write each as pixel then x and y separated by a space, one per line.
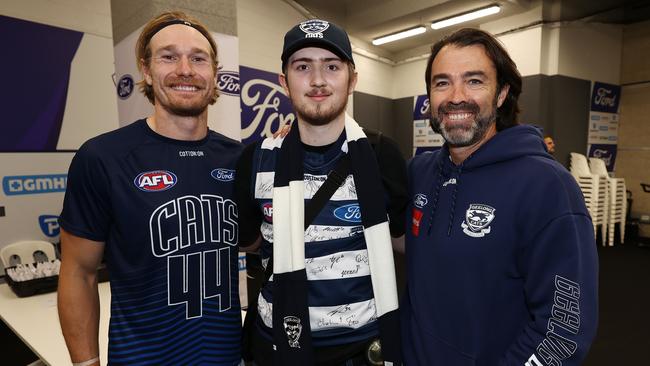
pixel 125 86
pixel 228 83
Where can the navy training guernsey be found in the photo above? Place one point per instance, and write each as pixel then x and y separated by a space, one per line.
pixel 164 208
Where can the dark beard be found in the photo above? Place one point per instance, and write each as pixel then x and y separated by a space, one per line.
pixel 479 127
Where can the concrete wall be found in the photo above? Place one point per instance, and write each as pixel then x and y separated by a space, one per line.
pixel 633 161
pixel 218 15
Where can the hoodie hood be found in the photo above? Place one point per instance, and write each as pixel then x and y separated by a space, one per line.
pixel 509 144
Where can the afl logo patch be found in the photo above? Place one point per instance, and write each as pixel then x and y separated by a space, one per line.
pixel 477 220
pixel 223 175
pixel 314 28
pixel 155 181
pixel 267 209
pixel 420 200
pixel 125 86
pixel 349 213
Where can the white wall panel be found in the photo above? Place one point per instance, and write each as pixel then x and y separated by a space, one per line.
pixel 261 26
pixel 91 104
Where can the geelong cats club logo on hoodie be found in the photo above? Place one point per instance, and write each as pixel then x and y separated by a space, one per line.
pixel 477 220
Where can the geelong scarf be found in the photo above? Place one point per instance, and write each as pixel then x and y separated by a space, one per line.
pixel 291 330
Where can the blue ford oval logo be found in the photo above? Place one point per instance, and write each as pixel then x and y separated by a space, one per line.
pixel 224 175
pixel 349 213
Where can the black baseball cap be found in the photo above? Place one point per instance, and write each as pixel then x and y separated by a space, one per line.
pixel 317 33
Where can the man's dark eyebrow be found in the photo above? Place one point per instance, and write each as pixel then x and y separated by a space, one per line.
pixel 469 74
pixel 466 75
pixel 308 59
pixel 440 76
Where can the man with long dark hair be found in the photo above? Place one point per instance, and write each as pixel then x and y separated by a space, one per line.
pixel 501 257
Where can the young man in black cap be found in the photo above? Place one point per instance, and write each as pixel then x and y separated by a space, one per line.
pixel 332 295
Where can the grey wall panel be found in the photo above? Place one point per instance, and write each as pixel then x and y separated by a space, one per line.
pixel 368 112
pixel 394 118
pixel 531 100
pixel 403 117
pixel 569 115
pixel 560 105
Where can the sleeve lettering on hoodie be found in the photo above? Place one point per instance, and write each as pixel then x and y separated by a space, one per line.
pixel 565 317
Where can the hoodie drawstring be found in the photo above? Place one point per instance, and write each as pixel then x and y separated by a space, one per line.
pixel 453 201
pixel 436 194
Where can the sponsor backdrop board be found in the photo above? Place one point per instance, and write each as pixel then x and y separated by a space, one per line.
pixel 223 116
pixel 33 186
pixel 603 123
pixel 264 105
pixel 424 139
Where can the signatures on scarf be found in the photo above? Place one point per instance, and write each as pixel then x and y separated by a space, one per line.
pixel 348 315
pixel 338 265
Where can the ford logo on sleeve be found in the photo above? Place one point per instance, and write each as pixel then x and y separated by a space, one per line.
pixel 349 213
pixel 155 181
pixel 224 175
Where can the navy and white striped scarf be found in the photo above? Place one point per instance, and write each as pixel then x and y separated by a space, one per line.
pixel 291 330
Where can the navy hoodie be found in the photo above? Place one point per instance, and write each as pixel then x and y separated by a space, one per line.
pixel 501 258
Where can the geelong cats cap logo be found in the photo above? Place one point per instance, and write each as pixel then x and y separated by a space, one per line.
pixel 314 27
pixel 477 220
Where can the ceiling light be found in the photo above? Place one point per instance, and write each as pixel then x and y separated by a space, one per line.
pixel 475 14
pixel 399 35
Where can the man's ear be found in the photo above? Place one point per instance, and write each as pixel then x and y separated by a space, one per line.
pixel 282 78
pixel 353 82
pixel 503 94
pixel 146 72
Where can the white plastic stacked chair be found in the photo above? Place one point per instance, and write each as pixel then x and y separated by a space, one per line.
pixel 594 188
pixel 26 251
pixel 617 200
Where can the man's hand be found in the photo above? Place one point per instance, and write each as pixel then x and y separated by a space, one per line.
pixel 283 131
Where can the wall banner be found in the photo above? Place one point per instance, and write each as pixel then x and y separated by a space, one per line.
pixel 36 83
pixel 264 105
pixel 33 186
pixel 602 138
pixel 424 139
